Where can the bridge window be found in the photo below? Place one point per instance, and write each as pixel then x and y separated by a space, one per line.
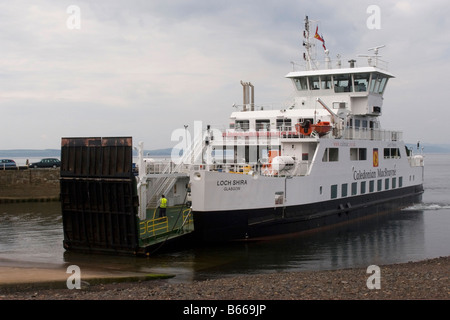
pixel 301 84
pixel 378 83
pixel 326 82
pixel 382 85
pixel 314 83
pixel 343 83
pixel 361 82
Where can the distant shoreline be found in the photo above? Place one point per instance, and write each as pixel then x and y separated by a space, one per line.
pixel 56 153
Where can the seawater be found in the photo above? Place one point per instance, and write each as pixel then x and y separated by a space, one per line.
pixel 31 234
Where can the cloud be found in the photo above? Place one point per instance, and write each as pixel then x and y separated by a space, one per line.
pixel 145 68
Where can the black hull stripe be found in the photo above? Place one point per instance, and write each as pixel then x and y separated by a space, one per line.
pixel 248 224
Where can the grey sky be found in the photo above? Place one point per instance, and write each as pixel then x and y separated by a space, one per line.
pixel 146 68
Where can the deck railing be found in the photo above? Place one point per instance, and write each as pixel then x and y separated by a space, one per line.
pixel 350 133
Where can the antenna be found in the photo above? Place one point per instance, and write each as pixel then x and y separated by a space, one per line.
pixel 375 49
pixel 376 56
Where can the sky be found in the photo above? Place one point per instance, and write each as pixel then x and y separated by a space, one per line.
pixel 146 68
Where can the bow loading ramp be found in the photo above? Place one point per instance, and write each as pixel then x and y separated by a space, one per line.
pixel 100 201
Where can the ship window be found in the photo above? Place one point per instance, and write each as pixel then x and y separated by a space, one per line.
pixel 326 82
pixel 382 85
pixel 362 153
pixel 330 154
pixel 353 153
pixel 334 191
pixel 262 125
pixel 343 83
pixel 300 83
pixel 395 153
pixel 400 182
pixel 363 187
pixel 378 83
pixel 314 83
pixel 361 82
pixel 284 124
pixel 354 188
pixel 391 153
pixel 394 183
pixel 358 154
pixel 379 185
pixel 344 190
pixel 242 125
pixel 371 186
pixel 386 184
pixel 373 83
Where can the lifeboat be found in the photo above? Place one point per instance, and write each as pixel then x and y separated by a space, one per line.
pixel 322 128
pixel 304 128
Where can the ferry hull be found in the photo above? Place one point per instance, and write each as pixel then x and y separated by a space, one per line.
pixel 221 226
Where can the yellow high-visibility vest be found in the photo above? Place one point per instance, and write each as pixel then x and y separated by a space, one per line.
pixel 163 203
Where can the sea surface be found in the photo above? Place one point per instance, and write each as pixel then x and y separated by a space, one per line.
pixel 31 235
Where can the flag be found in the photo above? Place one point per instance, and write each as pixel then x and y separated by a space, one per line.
pixel 318 37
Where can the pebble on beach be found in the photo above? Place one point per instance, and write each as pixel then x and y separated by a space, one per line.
pixel 424 280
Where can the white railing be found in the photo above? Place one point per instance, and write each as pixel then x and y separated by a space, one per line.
pixel 164 182
pixel 347 133
pixel 371 134
pixel 341 63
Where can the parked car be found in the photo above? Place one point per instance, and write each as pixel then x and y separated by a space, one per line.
pixel 46 163
pixel 7 164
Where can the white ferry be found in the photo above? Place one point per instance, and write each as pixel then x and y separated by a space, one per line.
pixel 324 159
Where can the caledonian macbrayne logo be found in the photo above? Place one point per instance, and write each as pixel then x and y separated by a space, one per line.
pixel 375 157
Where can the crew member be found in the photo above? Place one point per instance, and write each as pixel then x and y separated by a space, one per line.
pixel 162 206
